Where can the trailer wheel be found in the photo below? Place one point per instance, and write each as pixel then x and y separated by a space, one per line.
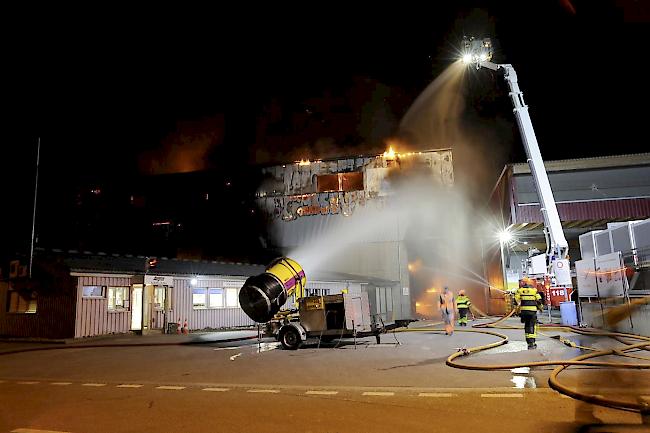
pixel 290 338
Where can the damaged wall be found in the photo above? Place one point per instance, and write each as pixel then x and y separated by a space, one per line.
pixel 340 209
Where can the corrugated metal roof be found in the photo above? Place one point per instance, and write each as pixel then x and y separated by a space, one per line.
pixel 583 185
pixel 87 263
pixel 587 163
pixel 588 210
pixel 136 265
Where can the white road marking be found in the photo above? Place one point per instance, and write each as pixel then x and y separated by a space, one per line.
pixel 229 348
pixel 27 382
pixel 391 345
pixel 129 385
pixel 435 394
pixel 61 383
pixel 93 384
pixel 174 388
pixel 31 430
pixel 511 395
pixel 216 389
pixel 322 392
pixel 232 358
pixel 378 393
pixel 270 391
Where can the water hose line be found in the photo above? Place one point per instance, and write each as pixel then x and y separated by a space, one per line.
pixel 560 365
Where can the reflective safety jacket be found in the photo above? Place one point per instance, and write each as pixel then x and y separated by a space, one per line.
pixel 463 302
pixel 528 299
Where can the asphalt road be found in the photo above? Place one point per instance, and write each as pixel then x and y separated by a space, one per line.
pixel 335 388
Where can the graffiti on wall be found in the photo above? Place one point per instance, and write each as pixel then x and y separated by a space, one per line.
pixel 290 208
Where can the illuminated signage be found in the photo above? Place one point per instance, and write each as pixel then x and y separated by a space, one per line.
pixel 159 280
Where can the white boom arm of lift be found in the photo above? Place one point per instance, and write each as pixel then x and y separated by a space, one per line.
pixel 479 52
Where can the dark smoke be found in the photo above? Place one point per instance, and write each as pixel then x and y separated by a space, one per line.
pixel 188 148
pixel 354 119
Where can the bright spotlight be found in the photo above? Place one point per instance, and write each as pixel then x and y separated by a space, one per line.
pixel 476 50
pixel 505 236
pixel 193 281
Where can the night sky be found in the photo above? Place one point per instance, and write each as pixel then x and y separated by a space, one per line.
pixel 117 93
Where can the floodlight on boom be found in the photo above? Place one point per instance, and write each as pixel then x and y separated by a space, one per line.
pixel 505 236
pixel 476 50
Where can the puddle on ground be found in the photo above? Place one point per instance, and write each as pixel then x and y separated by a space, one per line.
pixel 229 348
pixel 522 382
pixel 265 347
pixel 512 346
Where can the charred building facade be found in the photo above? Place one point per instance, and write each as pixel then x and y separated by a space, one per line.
pixel 340 215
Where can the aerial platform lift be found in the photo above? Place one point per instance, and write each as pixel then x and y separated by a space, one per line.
pixel 550 268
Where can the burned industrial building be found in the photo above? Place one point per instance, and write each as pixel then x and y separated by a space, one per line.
pixel 341 215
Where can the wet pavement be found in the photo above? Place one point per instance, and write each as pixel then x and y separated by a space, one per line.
pixel 407 370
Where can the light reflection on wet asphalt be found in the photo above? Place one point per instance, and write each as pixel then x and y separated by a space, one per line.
pixel 265 347
pixel 512 346
pixel 521 382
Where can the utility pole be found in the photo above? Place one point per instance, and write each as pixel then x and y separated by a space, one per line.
pixel 31 250
pixel 504 274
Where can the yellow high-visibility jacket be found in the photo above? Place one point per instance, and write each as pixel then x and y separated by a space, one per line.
pixel 528 299
pixel 463 302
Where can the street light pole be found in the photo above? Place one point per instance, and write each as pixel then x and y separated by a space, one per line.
pixel 144 288
pixel 503 266
pixel 488 292
pixel 31 249
pixel 505 236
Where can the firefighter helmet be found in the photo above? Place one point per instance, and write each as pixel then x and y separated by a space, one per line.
pixel 527 282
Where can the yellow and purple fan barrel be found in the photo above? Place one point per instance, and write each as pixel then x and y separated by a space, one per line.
pixel 263 295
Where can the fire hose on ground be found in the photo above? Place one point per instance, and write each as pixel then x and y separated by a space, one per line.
pixel 561 365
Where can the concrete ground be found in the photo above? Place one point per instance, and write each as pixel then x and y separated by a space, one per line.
pixel 401 384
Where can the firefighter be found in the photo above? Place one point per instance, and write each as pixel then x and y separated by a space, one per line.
pixel 447 305
pixel 463 303
pixel 528 303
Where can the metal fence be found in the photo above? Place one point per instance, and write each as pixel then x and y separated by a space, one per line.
pixel 637 271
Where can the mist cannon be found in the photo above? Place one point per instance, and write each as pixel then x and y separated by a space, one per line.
pixel 263 295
